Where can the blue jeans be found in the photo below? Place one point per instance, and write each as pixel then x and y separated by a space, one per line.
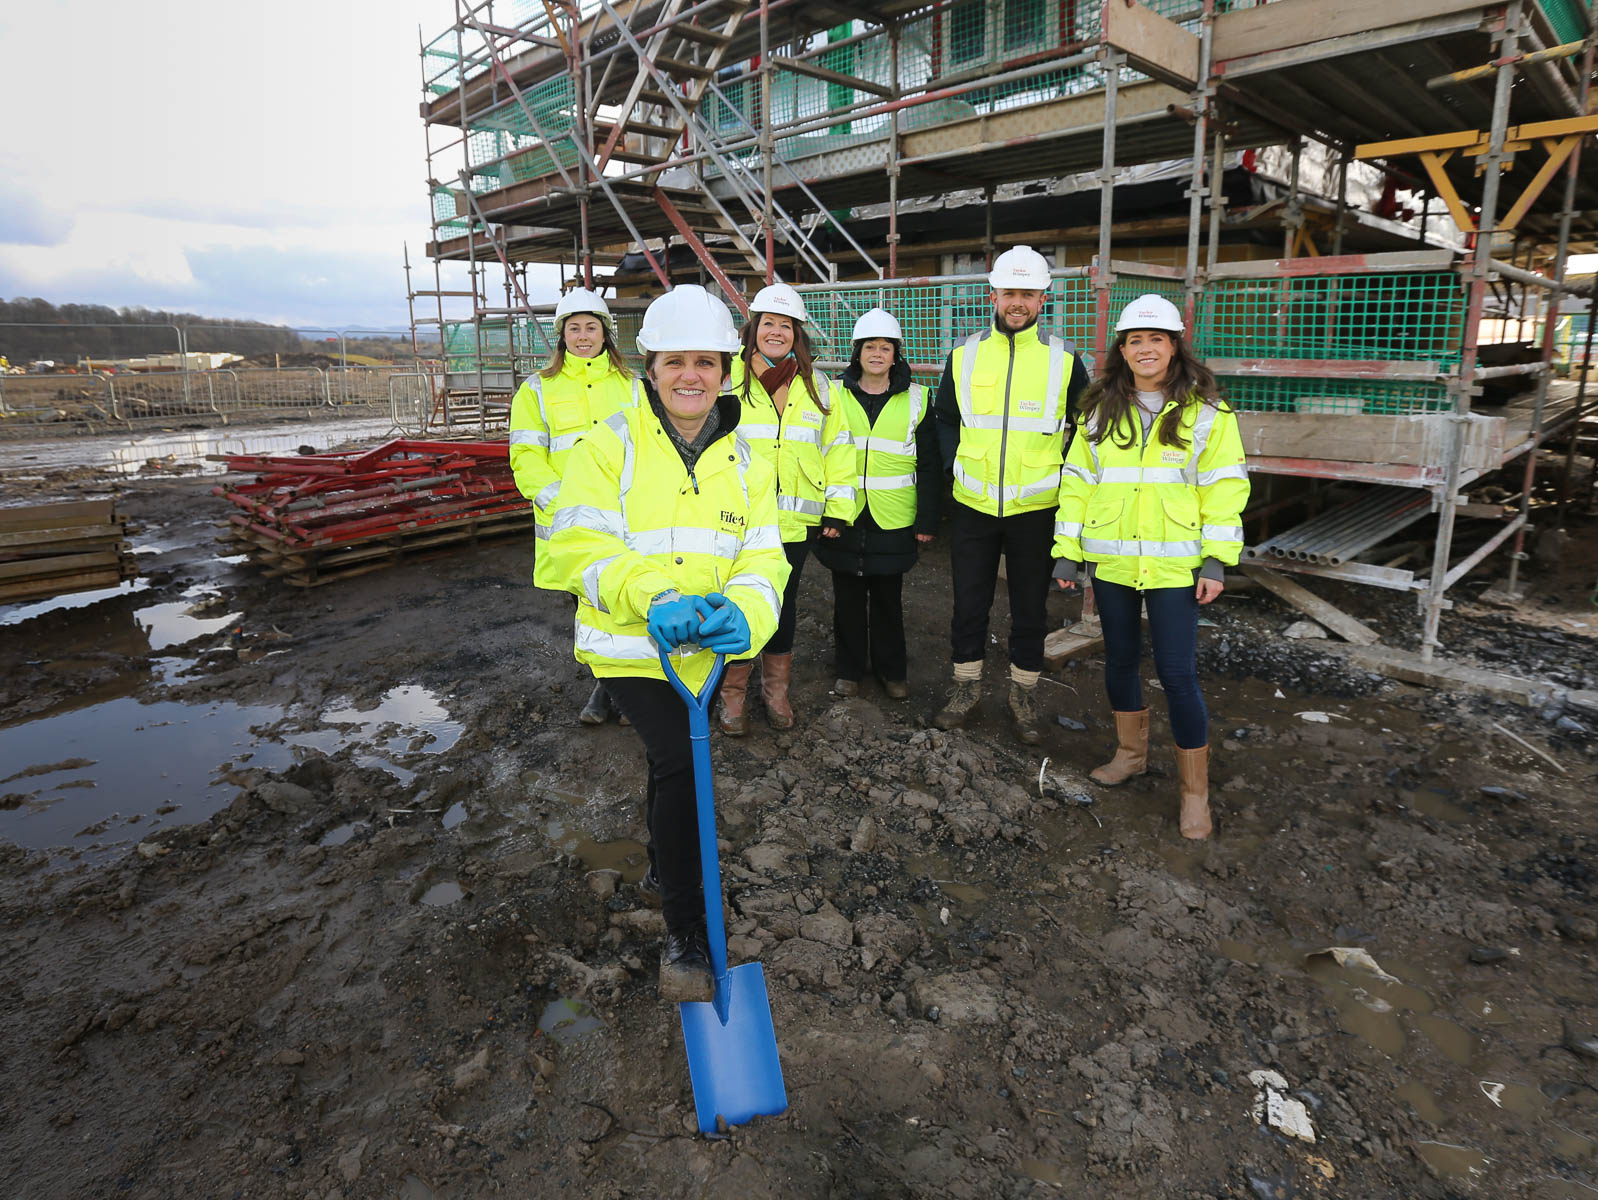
pixel 1173 624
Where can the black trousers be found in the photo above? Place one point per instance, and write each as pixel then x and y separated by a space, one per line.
pixel 661 719
pixel 782 641
pixel 868 626
pixel 975 542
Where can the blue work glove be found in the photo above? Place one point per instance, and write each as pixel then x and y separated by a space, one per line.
pixel 726 631
pixel 673 622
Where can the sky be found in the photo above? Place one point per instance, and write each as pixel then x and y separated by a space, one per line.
pixel 260 161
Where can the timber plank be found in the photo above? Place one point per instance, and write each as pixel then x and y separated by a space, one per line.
pixel 1306 601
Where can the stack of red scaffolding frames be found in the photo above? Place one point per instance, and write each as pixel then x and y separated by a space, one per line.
pixel 312 519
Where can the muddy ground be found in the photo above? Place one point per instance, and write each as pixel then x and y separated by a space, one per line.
pixel 327 893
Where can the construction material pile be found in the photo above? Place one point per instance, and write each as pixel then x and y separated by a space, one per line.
pixel 52 549
pixel 312 519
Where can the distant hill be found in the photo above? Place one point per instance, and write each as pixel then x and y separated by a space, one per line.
pixel 96 331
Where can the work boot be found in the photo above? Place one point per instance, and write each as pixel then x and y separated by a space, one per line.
pixel 845 687
pixel 896 689
pixel 963 697
pixel 775 672
pixel 1024 712
pixel 1131 750
pixel 649 885
pixel 733 721
pixel 685 967
pixel 1193 772
pixel 597 710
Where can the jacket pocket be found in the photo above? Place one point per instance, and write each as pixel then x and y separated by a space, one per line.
pixel 1181 511
pixel 566 415
pixel 1104 513
pixel 985 385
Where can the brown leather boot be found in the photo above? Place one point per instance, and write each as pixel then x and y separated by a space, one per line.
pixel 1131 750
pixel 775 672
pixel 1193 772
pixel 733 721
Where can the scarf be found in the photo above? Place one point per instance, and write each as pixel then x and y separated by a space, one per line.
pixel 778 375
pixel 689 449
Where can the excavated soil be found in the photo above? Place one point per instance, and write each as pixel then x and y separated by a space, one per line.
pixel 327 894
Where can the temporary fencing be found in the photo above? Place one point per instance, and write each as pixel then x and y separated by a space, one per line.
pixel 1369 334
pixel 313 519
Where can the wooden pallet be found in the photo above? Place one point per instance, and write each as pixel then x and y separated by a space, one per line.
pixel 55 549
pixel 303 566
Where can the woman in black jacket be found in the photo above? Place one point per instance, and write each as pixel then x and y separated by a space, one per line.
pixel 900 472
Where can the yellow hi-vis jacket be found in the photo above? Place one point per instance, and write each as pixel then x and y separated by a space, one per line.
pixel 885 454
pixel 547 416
pixel 1013 418
pixel 1148 514
pixel 632 522
pixel 810 449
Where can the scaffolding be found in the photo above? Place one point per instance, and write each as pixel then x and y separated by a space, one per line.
pixel 734 143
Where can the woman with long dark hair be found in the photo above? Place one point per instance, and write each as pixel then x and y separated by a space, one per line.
pixel 790 421
pixel 899 477
pixel 1151 500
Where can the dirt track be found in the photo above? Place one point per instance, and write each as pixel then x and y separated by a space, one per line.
pixel 405 955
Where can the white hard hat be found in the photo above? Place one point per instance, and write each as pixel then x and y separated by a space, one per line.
pixel 1150 312
pixel 878 323
pixel 581 300
pixel 781 299
pixel 1020 267
pixel 687 318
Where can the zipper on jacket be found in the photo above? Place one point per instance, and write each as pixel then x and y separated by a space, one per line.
pixel 1004 424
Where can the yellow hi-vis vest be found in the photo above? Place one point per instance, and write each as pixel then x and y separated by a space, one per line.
pixel 632 522
pixel 810 450
pixel 885 454
pixel 1149 513
pixel 547 416
pixel 1012 395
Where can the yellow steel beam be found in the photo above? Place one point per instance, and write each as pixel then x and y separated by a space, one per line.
pixel 1558 152
pixel 1433 162
pixel 1416 145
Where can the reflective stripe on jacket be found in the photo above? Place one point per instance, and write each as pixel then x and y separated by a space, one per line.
pixel 1148 514
pixel 885 454
pixel 811 451
pixel 1013 418
pixel 547 416
pixel 631 522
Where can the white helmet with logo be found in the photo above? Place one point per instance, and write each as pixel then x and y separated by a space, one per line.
pixel 1020 267
pixel 581 300
pixel 687 318
pixel 1150 312
pixel 878 323
pixel 781 299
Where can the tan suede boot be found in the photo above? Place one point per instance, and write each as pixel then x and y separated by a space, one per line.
pixel 1131 750
pixel 733 721
pixel 775 672
pixel 1193 771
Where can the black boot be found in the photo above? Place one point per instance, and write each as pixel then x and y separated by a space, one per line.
pixel 685 966
pixel 597 710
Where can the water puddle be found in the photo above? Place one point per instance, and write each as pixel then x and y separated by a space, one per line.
pixel 1044 1172
pixel 623 855
pixel 141 762
pixel 1570 1145
pixel 16 614
pixel 1519 1098
pixel 408 720
pixel 340 834
pixel 441 894
pixel 1457 1043
pixel 413 1188
pixel 1486 1010
pixel 1434 803
pixel 567 1020
pixel 1420 1098
pixel 1455 1162
pixel 454 815
pixel 180 621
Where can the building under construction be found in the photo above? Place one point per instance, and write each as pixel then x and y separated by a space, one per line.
pixel 1365 208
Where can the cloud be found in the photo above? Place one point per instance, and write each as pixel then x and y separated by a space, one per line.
pixel 25 220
